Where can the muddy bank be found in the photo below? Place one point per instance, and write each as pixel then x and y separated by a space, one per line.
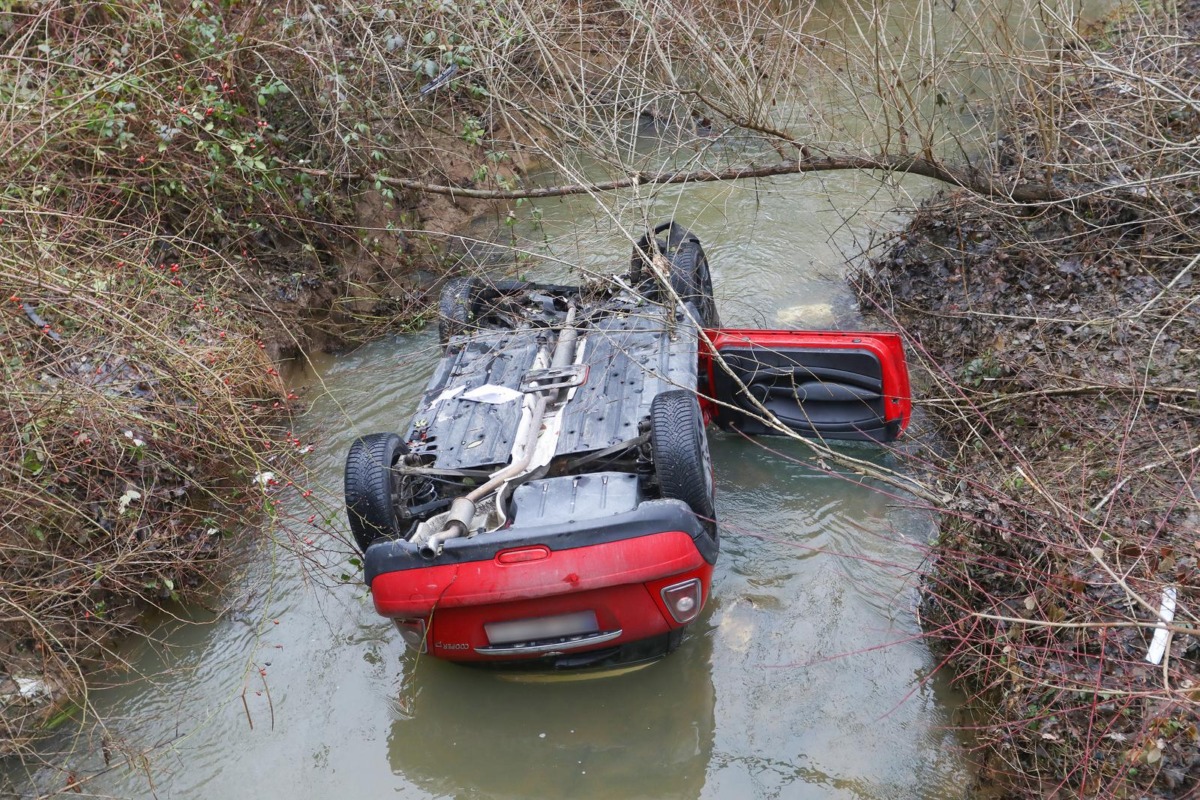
pixel 1060 380
pixel 1059 352
pixel 159 255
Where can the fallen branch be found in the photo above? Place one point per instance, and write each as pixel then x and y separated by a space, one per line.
pixel 1025 193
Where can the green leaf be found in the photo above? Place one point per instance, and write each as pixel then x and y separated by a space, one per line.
pixel 62 716
pixel 33 464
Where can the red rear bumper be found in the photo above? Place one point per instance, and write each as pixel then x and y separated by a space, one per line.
pixel 620 582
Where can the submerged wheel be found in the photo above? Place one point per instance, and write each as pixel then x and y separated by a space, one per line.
pixel 681 458
pixel 689 271
pixel 371 489
pixel 456 307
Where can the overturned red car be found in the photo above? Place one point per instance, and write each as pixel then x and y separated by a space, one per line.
pixel 551 503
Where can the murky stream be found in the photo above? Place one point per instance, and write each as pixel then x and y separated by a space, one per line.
pixel 803 678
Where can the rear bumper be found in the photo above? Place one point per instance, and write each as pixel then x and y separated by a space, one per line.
pixel 616 572
pixel 647 518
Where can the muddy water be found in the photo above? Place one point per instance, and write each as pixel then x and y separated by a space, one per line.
pixel 801 679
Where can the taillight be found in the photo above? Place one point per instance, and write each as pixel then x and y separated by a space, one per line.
pixel 683 600
pixel 412 631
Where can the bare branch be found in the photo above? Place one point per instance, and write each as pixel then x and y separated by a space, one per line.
pixel 1026 194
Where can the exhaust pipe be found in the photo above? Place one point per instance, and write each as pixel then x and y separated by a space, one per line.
pixel 462 510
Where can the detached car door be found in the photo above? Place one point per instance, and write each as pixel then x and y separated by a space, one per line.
pixel 823 384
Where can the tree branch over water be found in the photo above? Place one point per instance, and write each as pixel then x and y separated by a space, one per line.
pixel 972 180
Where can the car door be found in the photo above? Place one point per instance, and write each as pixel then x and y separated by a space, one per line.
pixel 822 384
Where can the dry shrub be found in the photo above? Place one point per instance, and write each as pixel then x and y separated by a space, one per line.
pixel 1059 344
pixel 130 413
pixel 136 393
pixel 182 197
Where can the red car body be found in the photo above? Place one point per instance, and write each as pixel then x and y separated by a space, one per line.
pixel 602 552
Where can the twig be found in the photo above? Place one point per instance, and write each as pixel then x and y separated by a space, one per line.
pixel 246 706
pixel 1060 391
pixel 1170 285
pixel 1140 470
pixel 270 702
pixel 1045 623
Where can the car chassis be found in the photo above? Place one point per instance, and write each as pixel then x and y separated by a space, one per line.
pixel 551 505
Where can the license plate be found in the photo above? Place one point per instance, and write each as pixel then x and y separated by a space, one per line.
pixel 532 630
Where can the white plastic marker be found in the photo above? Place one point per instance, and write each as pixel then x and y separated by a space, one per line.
pixel 1166 613
pixel 491 393
pixel 447 395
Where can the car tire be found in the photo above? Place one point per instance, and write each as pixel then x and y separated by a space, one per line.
pixel 370 489
pixel 681 457
pixel 456 307
pixel 692 281
pixel 690 275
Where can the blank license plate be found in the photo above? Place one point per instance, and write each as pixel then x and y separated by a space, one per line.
pixel 531 630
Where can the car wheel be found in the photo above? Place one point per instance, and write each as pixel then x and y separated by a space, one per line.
pixel 456 307
pixel 675 236
pixel 370 489
pixel 690 275
pixel 692 281
pixel 681 458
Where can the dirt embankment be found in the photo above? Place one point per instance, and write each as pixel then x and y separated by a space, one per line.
pixel 181 206
pixel 1060 358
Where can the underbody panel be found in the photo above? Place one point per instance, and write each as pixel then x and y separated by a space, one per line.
pixel 629 352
